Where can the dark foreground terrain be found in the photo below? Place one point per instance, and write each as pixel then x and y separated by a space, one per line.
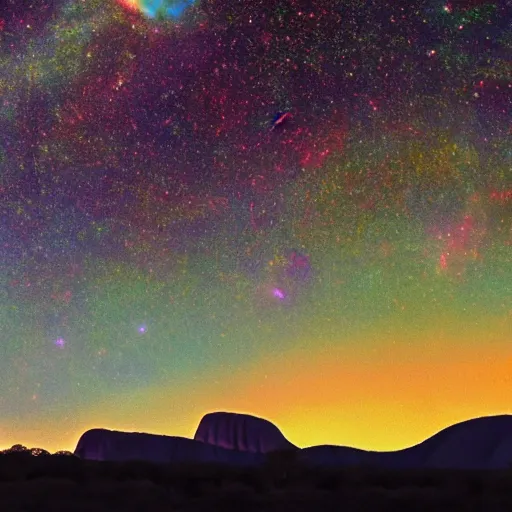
pixel 65 483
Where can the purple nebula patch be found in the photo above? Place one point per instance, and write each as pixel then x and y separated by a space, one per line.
pixel 299 265
pixel 279 293
pixel 60 342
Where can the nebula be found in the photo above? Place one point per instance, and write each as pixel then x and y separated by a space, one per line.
pixel 160 9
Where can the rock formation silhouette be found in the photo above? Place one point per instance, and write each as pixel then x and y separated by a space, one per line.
pixel 479 443
pixel 247 441
pixel 102 444
pixel 241 432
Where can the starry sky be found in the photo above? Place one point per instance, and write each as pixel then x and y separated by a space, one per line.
pixel 298 209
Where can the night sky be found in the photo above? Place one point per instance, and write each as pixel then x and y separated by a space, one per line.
pixel 298 209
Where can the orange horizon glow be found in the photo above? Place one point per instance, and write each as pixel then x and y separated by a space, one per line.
pixel 386 397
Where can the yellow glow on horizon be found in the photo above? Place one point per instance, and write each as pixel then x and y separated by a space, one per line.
pixel 377 394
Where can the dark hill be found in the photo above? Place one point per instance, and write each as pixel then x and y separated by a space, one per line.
pixel 480 443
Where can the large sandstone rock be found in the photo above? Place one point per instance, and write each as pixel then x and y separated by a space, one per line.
pixel 241 432
pixel 102 444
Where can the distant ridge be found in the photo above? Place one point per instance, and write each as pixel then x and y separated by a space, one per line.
pixel 241 439
pixel 479 443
